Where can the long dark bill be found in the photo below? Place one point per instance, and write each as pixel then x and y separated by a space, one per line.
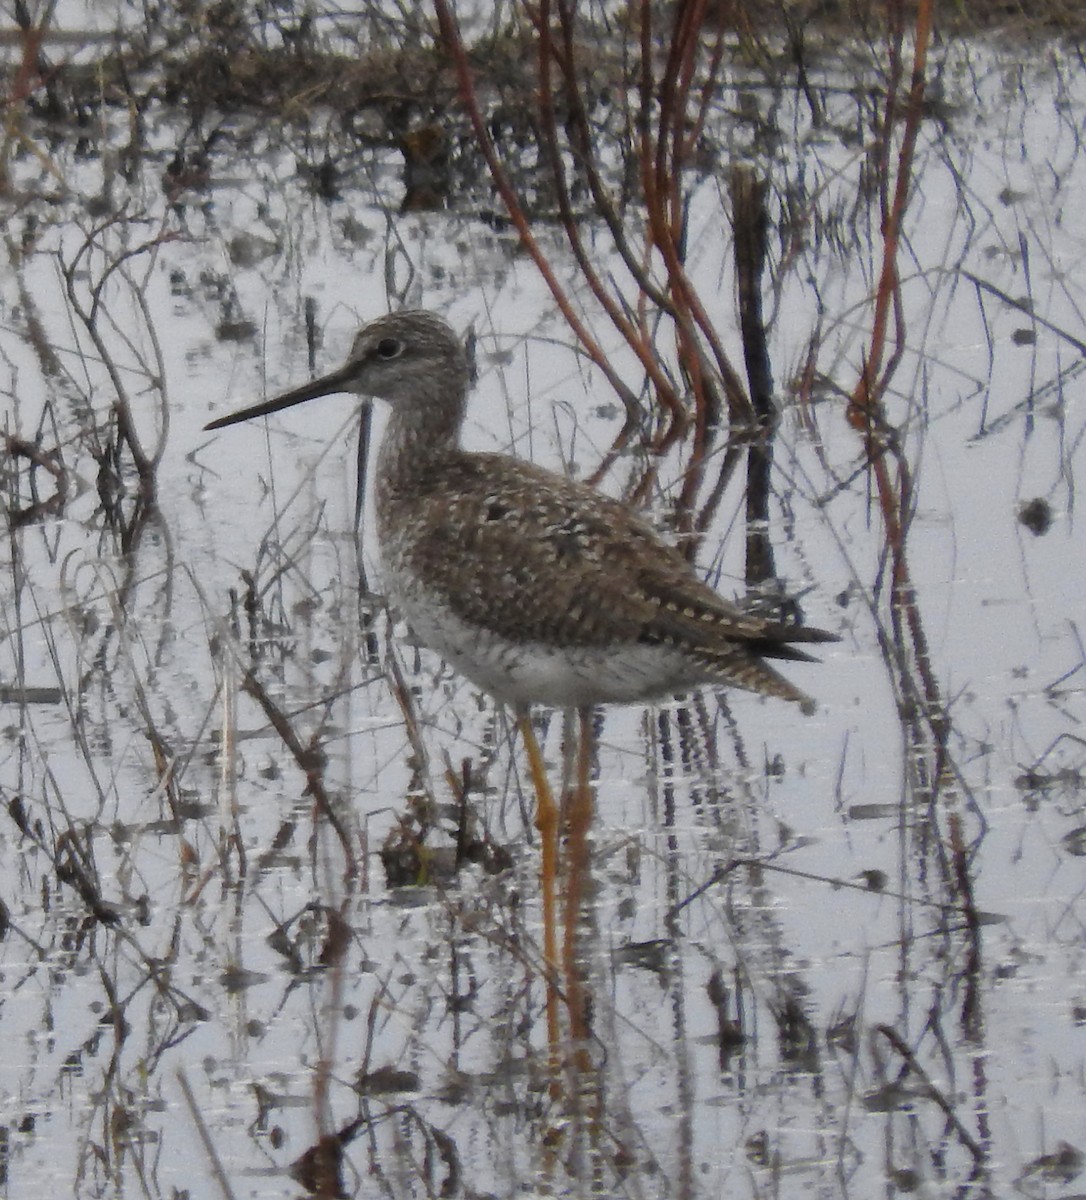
pixel 325 386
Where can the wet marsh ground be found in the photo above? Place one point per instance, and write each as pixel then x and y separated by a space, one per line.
pixel 270 915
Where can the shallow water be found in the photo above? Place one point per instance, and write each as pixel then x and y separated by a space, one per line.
pixel 822 956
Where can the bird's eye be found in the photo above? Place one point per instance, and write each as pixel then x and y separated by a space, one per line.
pixel 389 348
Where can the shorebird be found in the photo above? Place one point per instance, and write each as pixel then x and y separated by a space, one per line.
pixel 537 588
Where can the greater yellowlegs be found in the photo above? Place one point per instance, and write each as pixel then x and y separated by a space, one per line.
pixel 537 588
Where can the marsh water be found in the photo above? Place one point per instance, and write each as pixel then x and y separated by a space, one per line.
pixel 243 951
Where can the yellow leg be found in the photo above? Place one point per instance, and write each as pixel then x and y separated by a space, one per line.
pixel 546 821
pixel 580 822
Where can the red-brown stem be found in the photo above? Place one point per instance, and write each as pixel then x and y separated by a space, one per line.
pixel 450 34
pixel 664 389
pixel 866 412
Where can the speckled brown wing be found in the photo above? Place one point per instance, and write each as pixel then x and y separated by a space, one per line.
pixel 689 612
pixel 533 557
pixel 519 551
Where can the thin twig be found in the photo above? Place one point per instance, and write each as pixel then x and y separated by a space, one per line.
pixel 217 1168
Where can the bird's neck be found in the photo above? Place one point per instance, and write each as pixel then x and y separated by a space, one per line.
pixel 418 433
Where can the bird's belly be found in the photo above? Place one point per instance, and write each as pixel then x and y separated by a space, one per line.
pixel 533 672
